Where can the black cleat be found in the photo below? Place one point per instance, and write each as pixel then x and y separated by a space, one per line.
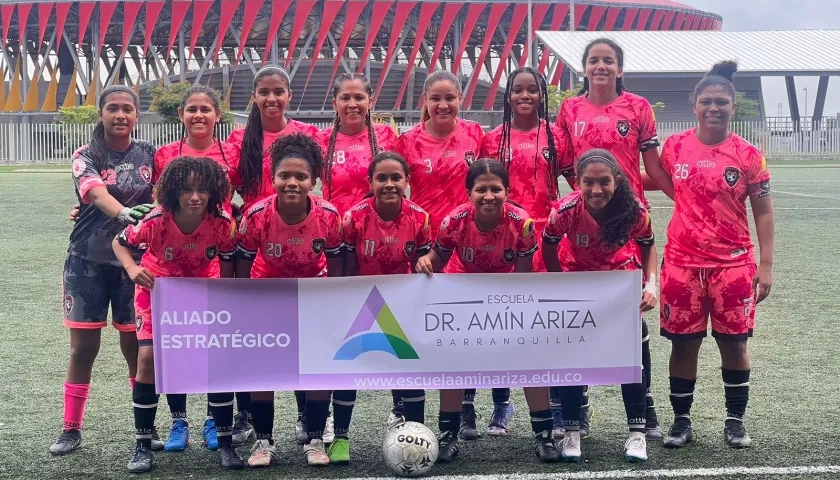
pixel 652 430
pixel 67 442
pixel 545 448
pixel 468 430
pixel 680 434
pixel 242 429
pixel 735 434
pixel 229 459
pixel 157 443
pixel 141 461
pixel 447 447
pixel 585 416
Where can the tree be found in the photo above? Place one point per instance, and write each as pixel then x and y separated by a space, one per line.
pixel 83 114
pixel 166 100
pixel 746 109
pixel 82 118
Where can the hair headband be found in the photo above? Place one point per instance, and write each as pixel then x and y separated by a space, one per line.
pixel 117 88
pixel 602 158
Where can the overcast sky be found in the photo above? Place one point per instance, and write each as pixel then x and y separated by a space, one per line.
pixel 781 15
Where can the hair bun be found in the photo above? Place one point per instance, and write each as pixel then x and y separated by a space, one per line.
pixel 725 69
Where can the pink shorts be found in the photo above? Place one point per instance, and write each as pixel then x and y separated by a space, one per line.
pixel 143 315
pixel 689 296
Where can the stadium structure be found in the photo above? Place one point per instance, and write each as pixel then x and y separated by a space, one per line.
pixel 61 53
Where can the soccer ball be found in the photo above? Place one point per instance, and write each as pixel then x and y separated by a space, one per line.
pixel 410 449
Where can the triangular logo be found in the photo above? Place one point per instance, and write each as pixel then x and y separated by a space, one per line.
pixel 360 339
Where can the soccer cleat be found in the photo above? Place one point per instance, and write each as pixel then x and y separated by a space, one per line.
pixel 680 434
pixel 652 430
pixel 468 429
pixel 635 448
pixel 329 431
pixel 585 417
pixel 242 429
pixel 571 447
pixel 262 453
pixel 157 443
pixel 499 421
pixel 559 430
pixel 397 417
pixel 339 451
pixel 447 447
pixel 67 442
pixel 141 461
pixel 735 434
pixel 316 454
pixel 545 448
pixel 211 437
pixel 229 459
pixel 300 431
pixel 179 436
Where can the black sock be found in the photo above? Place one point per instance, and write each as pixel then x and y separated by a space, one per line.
pixel 177 405
pixel 571 399
pixel 736 387
pixel 414 405
pixel 635 406
pixel 501 396
pixel 449 422
pixel 646 368
pixel 262 413
pixel 316 413
pixel 682 396
pixel 243 401
pixel 343 402
pixel 221 407
pixel 583 413
pixel 396 397
pixel 542 421
pixel 300 399
pixel 554 397
pixel 145 400
pixel 467 404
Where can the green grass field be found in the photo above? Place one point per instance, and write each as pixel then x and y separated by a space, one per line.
pixel 793 415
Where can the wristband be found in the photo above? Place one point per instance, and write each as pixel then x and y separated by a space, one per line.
pixel 650 285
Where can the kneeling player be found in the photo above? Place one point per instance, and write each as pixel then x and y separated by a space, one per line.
pixel 461 248
pixel 594 228
pixel 191 192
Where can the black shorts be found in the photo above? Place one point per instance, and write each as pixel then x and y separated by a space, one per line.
pixel 89 288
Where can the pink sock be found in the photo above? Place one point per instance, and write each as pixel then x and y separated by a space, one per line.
pixel 75 398
pixel 131 383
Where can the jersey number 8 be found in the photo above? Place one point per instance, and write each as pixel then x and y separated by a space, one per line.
pixel 339 157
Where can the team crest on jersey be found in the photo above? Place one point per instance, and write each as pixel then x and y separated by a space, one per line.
pixel 509 255
pixel 747 306
pixel 409 248
pixel 623 127
pixel 445 223
pixel 210 252
pixel 146 173
pixel 469 156
pixel 68 304
pixel 731 175
pixel 667 312
pixel 138 320
pixel 546 154
pixel 318 245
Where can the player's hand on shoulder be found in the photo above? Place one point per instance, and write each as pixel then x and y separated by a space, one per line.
pixel 424 265
pixel 762 283
pixel 141 276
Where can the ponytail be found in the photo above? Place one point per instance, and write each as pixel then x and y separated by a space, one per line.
pixel 251 160
pixel 97 151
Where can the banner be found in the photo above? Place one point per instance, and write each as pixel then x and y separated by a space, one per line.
pixel 397 332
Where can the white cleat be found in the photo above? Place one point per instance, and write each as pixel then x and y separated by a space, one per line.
pixel 263 454
pixel 329 431
pixel 316 453
pixel 394 419
pixel 635 448
pixel 571 447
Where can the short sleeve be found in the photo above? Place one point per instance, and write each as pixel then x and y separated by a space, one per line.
pixel 334 244
pixel 424 236
pixel 648 137
pixel 758 177
pixel 445 241
pixel 137 236
pixel 85 175
pixel 227 240
pixel 642 232
pixel 349 233
pixel 554 228
pixel 527 244
pixel 247 238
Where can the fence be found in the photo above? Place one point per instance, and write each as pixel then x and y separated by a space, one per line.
pixel 29 143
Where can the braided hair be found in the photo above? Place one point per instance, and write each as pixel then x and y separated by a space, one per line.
pixel 374 147
pixel 542 114
pixel 214 99
pixel 206 172
pixel 619 58
pixel 97 148
pixel 250 162
pixel 622 211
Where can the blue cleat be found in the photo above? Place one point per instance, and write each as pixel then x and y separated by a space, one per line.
pixel 211 437
pixel 179 436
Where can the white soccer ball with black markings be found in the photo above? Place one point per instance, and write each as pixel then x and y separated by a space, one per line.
pixel 410 449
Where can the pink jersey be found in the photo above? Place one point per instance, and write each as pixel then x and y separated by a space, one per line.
pixel 386 248
pixel 171 253
pixel 486 252
pixel 709 226
pixel 279 250
pixel 222 153
pixel 579 236
pixel 351 159
pixel 528 165
pixel 235 139
pixel 624 127
pixel 439 166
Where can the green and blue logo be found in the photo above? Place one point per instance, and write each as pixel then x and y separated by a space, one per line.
pixel 360 339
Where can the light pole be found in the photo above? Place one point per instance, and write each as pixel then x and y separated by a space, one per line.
pixel 572 28
pixel 530 37
pixel 805 89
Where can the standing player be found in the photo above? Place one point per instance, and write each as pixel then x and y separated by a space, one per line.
pixel 113 177
pixel 191 193
pixel 532 150
pixel 602 218
pixel 709 267
pixel 384 234
pixel 352 142
pixel 266 123
pixel 461 247
pixel 292 234
pixel 607 116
